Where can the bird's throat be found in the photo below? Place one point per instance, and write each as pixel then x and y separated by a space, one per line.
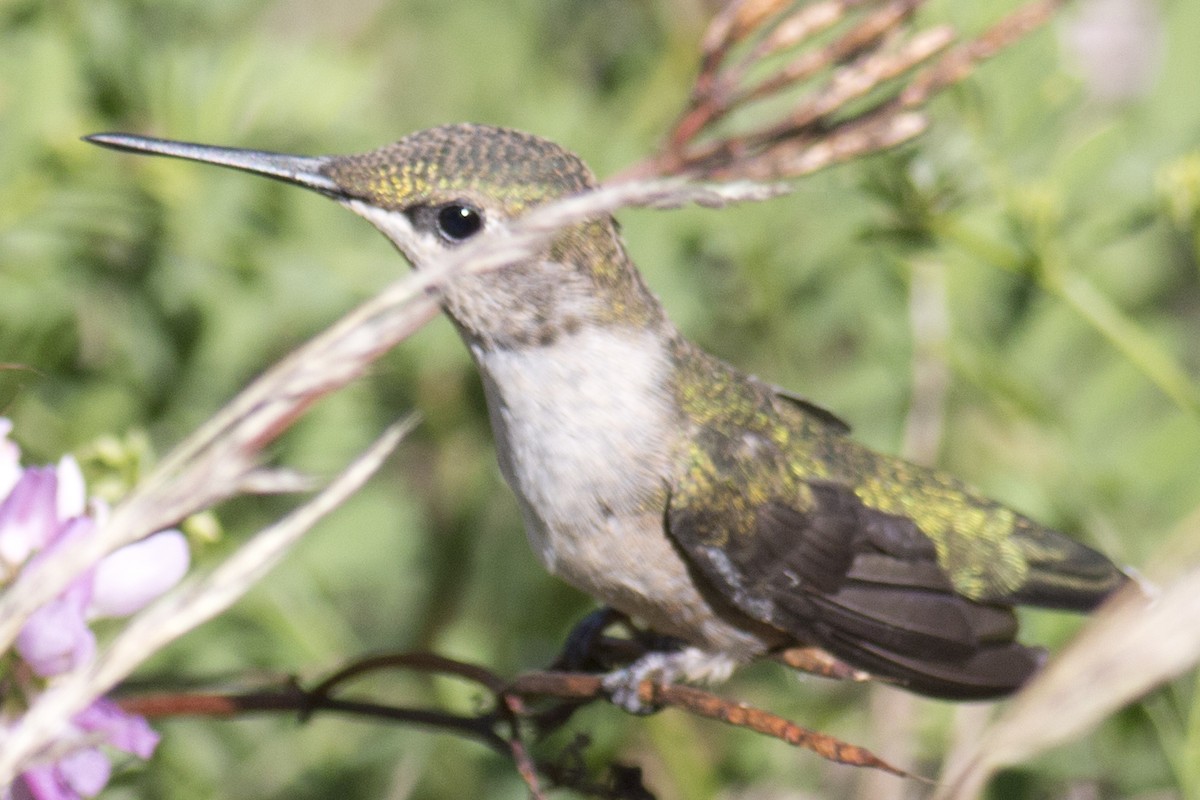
pixel 585 427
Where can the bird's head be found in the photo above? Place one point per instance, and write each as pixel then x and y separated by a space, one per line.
pixel 435 189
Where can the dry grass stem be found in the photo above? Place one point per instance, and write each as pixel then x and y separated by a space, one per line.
pixel 877 30
pixel 871 97
pixel 804 23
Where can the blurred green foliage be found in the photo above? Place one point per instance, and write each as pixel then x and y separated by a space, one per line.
pixel 142 293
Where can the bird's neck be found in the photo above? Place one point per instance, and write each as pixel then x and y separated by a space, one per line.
pixel 587 421
pixel 578 361
pixel 582 281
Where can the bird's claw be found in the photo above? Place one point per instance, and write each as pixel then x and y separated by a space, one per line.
pixel 689 664
pixel 624 686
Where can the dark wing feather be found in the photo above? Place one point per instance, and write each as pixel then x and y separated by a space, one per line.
pixel 1062 572
pixel 835 423
pixel 990 673
pixel 863 585
pixel 905 572
pixel 991 553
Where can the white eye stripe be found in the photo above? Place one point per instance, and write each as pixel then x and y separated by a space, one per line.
pixel 419 244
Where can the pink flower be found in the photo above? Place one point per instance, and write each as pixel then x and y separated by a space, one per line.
pixel 129 578
pixel 71 497
pixel 44 512
pixel 56 639
pixel 80 773
pixel 28 517
pixel 10 459
pixel 126 732
pixel 83 772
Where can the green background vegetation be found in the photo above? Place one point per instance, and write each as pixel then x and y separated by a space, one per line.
pixel 143 293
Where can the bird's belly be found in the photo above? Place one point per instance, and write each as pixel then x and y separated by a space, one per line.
pixel 628 562
pixel 589 453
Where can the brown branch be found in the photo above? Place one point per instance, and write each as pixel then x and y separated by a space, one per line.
pixel 514 705
pixel 291 698
pixel 701 703
pixel 415 661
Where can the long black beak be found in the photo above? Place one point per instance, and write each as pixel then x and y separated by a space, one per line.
pixel 303 171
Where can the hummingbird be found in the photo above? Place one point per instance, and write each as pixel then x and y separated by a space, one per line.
pixel 736 518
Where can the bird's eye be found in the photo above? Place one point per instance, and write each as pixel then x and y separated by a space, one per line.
pixel 456 222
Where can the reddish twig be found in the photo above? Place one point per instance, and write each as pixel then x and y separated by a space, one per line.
pixel 869 46
pixel 701 703
pixel 414 661
pixel 500 727
pixel 291 698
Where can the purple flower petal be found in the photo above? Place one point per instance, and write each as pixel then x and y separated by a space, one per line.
pixel 65 536
pixel 55 638
pixel 42 783
pixel 72 493
pixel 124 731
pixel 85 770
pixel 10 459
pixel 28 516
pixel 18 791
pixel 129 578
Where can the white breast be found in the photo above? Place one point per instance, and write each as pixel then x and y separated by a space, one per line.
pixel 585 435
pixel 580 428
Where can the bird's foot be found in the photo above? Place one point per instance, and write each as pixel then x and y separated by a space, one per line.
pixel 689 664
pixel 579 652
pixel 589 649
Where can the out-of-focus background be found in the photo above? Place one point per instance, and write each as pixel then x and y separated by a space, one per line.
pixel 1015 297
